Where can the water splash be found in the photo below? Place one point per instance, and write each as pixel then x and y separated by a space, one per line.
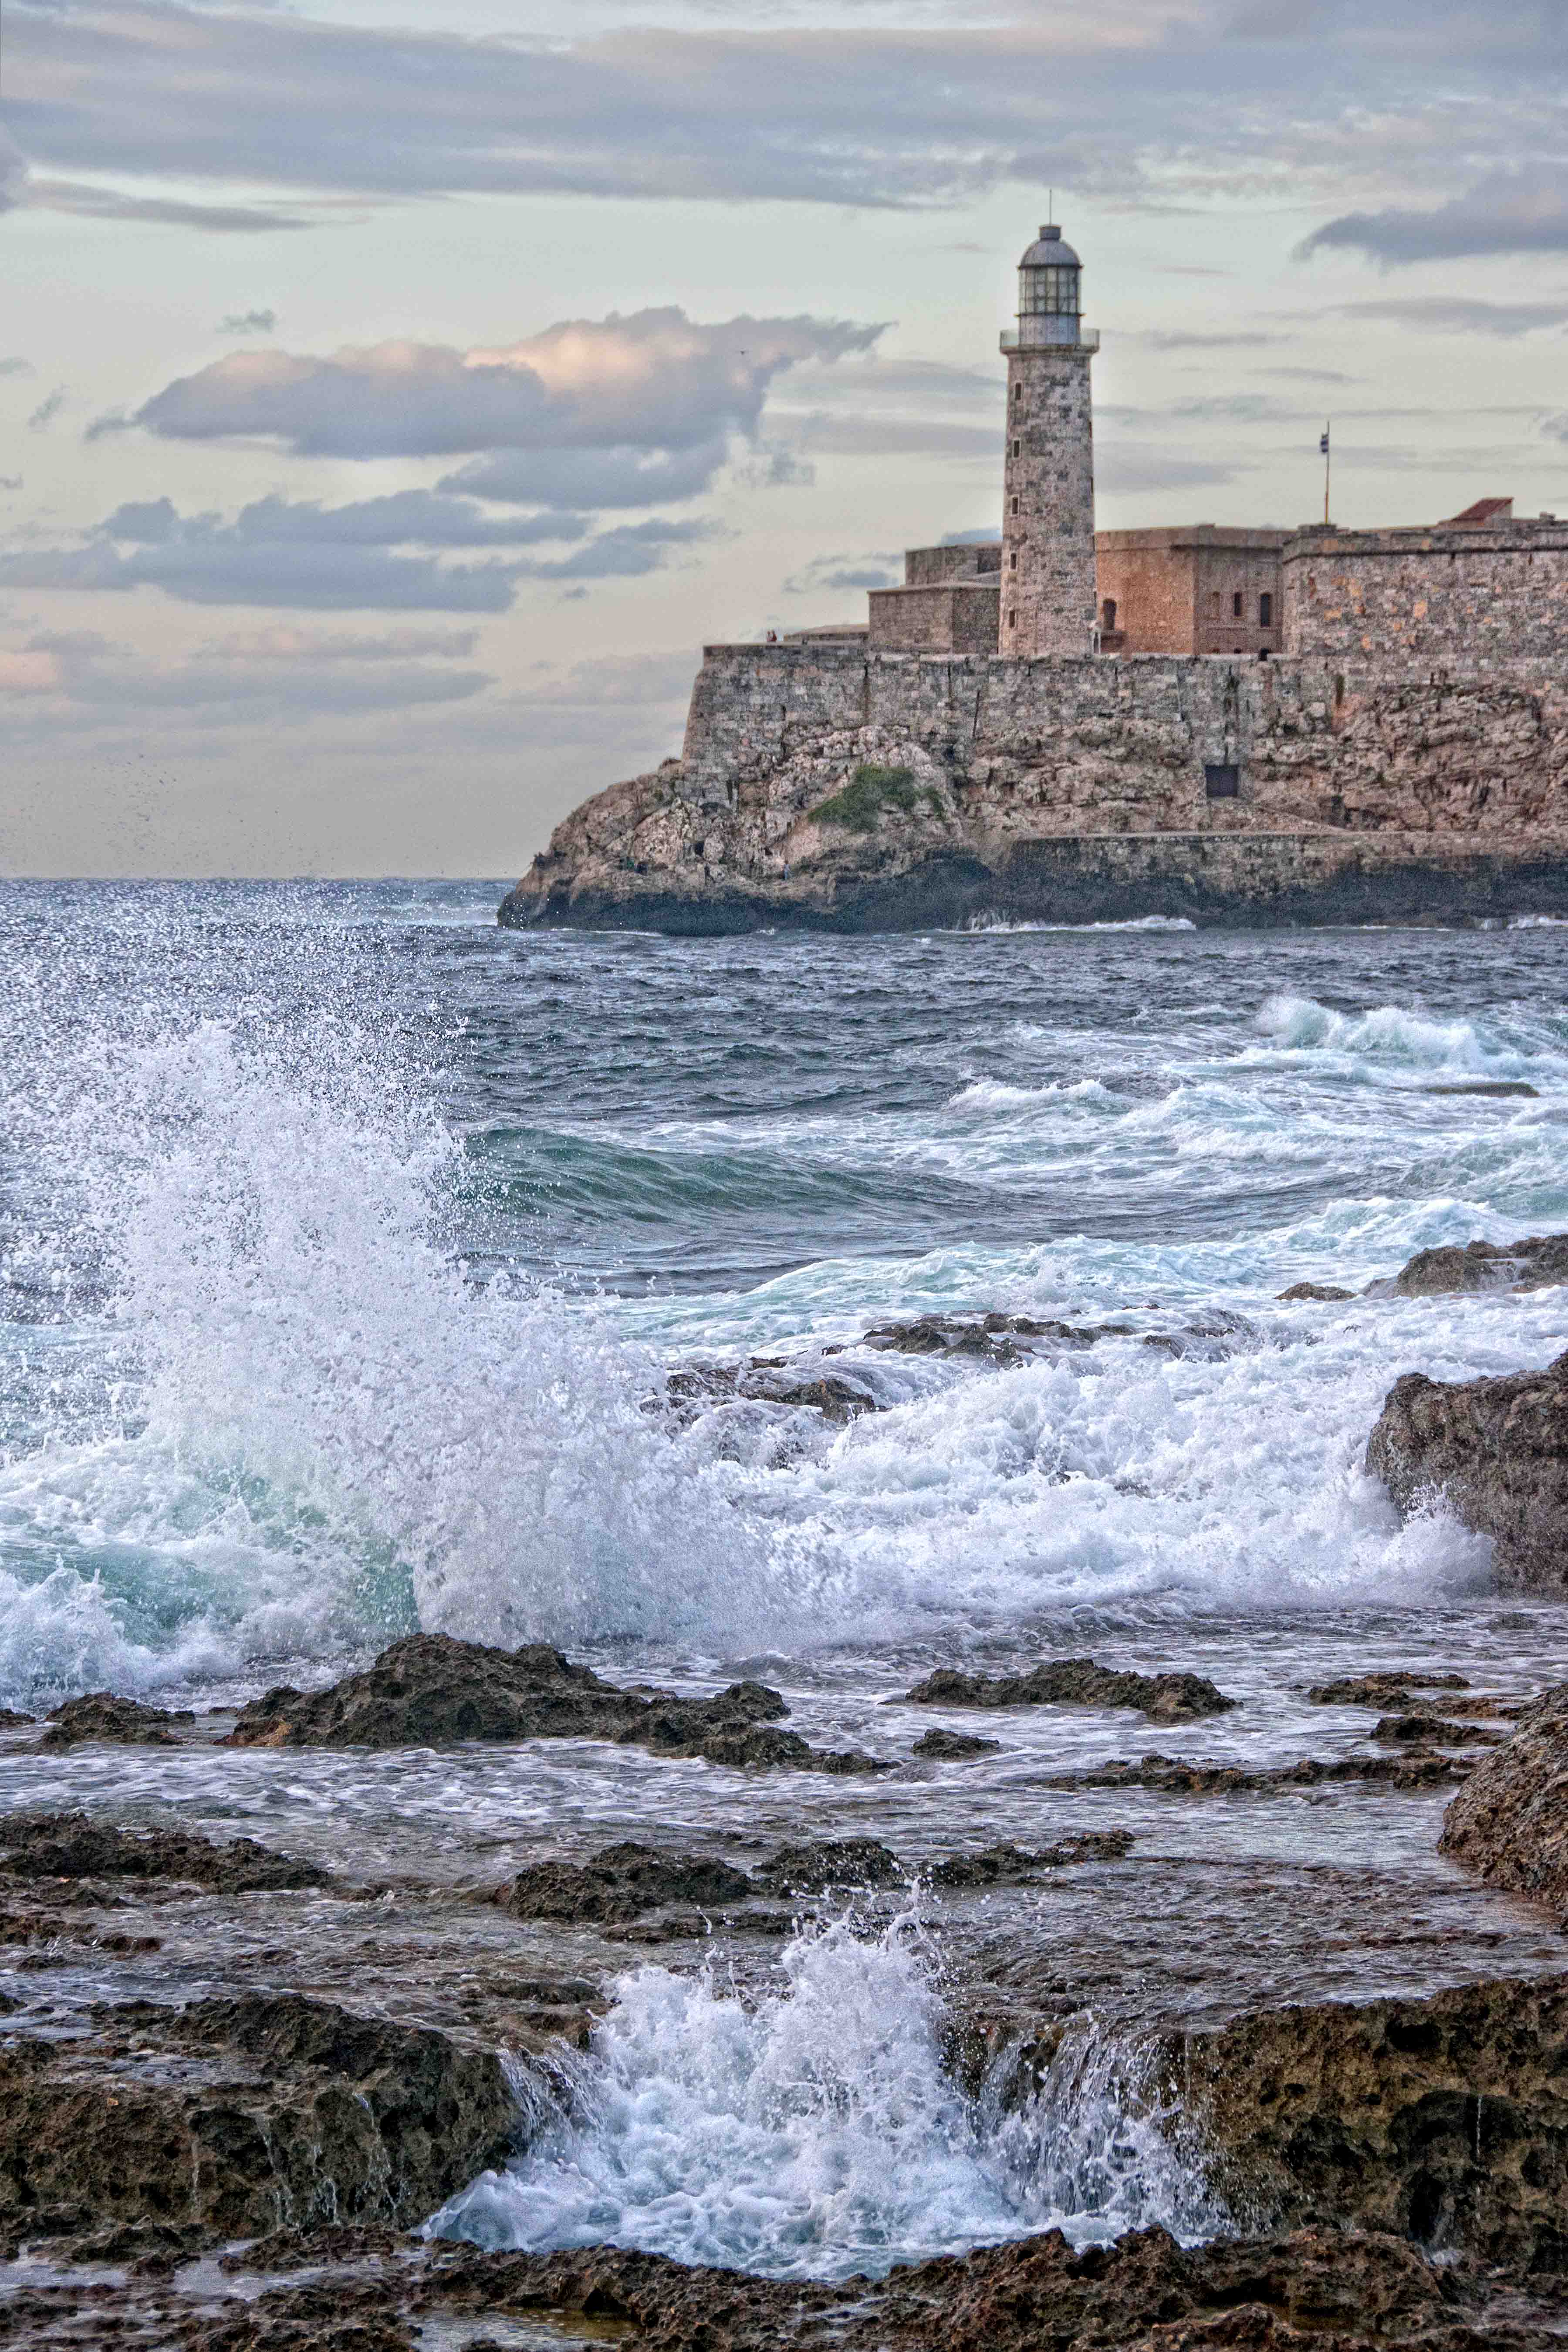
pixel 816 2132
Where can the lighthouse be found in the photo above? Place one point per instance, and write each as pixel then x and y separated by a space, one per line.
pixel 1049 586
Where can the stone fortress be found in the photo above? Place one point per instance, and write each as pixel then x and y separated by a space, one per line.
pixel 1064 724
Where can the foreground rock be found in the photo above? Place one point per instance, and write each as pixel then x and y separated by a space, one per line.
pixel 43 1847
pixel 1444 2119
pixel 1533 1265
pixel 1316 2290
pixel 1509 1822
pixel 100 1716
pixel 230 2117
pixel 1175 1775
pixel 431 1689
pixel 1496 1450
pixel 1078 1682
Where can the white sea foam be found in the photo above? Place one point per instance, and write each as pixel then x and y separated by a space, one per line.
pixel 1403 1037
pixel 322 1434
pixel 1000 925
pixel 815 2133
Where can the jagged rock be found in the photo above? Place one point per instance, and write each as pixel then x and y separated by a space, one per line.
pixel 11 1721
pixel 1324 1293
pixel 241 2115
pixel 824 1868
pixel 1381 1689
pixel 1509 1822
pixel 1496 1449
pixel 1078 1682
pixel 952 1746
pixel 1178 1777
pixel 69 1845
pixel 98 1715
pixel 1533 1265
pixel 1421 1725
pixel 620 1883
pixel 1445 2118
pixel 769 1380
pixel 991 1338
pixel 359 2290
pixel 997 1866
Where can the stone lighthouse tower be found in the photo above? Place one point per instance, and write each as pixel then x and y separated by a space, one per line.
pixel 1049 591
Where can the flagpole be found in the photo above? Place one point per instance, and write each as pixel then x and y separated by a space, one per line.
pixel 1328 463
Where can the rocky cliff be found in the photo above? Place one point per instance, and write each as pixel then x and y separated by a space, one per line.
pixel 825 787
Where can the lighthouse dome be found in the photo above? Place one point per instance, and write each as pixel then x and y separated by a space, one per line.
pixel 1050 250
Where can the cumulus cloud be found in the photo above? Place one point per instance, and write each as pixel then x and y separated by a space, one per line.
pixel 654 380
pixel 297 553
pixel 247 322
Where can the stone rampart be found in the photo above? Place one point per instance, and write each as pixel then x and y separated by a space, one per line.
pixel 1466 597
pixel 829 786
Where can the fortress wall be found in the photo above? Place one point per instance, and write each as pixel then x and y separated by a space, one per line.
pixel 1464 597
pixel 1074 745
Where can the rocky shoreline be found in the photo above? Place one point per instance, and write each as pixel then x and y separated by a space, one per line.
pixel 261 2071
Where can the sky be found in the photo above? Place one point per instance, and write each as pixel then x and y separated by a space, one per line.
pixel 394 398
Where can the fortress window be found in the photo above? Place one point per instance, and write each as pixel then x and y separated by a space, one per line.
pixel 1266 612
pixel 1011 620
pixel 1013 561
pixel 1222 783
pixel 1017 448
pixel 1014 505
pixel 1107 613
pixel 1236 606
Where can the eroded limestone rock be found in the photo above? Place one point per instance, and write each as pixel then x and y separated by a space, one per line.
pixel 1509 1822
pixel 1496 1450
pixel 1078 1682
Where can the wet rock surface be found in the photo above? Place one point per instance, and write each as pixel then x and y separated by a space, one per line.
pixel 621 1882
pixel 232 2117
pixel 100 1715
pixel 1496 1449
pixel 431 1689
pixel 1510 1822
pixel 952 1746
pixel 1078 1682
pixel 1380 1689
pixel 46 1846
pixel 1330 2290
pixel 1177 1776
pixel 1530 1264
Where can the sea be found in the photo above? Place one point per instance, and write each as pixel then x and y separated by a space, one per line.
pixel 348 1244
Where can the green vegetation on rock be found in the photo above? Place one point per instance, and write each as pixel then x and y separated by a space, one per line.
pixel 870 791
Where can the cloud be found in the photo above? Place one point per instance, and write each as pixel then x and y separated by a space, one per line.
pixel 283 554
pixel 1523 210
pixel 280 644
pixel 168 212
pixel 44 416
pixel 653 381
pixel 828 435
pixel 247 322
pixel 620 475
pixel 849 574
pixel 16 367
pixel 1441 314
pixel 97 682
pixel 1123 469
pixel 1161 339
pixel 401 519
pixel 31 672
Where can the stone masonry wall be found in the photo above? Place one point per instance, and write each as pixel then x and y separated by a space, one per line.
pixel 1465 598
pixel 959 616
pixel 1049 595
pixel 1088 746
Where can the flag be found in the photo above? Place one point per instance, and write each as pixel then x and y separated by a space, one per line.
pixel 1323 444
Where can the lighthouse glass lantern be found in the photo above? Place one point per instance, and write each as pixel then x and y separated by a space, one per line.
pixel 1050 277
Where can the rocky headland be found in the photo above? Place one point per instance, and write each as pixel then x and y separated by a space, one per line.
pixel 832 789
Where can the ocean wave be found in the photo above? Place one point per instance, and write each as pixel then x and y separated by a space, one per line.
pixel 1402 1036
pixel 1002 925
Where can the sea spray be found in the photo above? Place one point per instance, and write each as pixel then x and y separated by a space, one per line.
pixel 815 2131
pixel 316 1429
